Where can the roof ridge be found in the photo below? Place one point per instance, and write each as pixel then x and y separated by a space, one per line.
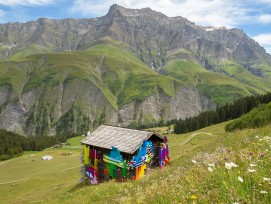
pixel 126 140
pixel 123 127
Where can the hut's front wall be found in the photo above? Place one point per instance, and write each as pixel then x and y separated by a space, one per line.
pixel 102 164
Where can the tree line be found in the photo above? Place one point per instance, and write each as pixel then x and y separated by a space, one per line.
pixel 12 144
pixel 221 114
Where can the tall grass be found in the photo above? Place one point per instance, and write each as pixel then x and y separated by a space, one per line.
pixel 198 175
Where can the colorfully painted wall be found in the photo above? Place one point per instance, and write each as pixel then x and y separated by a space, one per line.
pixel 114 166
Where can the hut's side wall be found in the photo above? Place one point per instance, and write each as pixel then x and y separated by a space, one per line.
pixel 102 164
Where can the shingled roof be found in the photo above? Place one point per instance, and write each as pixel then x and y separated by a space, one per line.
pixel 126 140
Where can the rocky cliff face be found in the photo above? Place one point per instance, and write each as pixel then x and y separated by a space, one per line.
pixel 41 113
pixel 129 67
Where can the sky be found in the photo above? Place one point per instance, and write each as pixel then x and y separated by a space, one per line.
pixel 252 16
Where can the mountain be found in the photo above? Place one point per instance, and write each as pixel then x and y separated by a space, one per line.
pixel 129 67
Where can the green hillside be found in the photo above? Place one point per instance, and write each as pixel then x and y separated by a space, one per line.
pixel 73 92
pixel 122 77
pixel 258 117
pixel 29 50
pixel 233 83
pixel 113 73
pixel 197 173
pixel 117 73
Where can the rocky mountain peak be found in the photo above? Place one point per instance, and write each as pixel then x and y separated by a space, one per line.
pixel 116 9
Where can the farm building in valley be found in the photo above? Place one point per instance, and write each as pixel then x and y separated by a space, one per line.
pixel 121 154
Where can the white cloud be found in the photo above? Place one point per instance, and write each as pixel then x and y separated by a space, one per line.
pixel 266 2
pixel 264 40
pixel 268 49
pixel 25 2
pixel 265 18
pixel 203 12
pixel 2 13
pixel 88 7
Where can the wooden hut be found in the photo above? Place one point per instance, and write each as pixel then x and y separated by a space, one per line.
pixel 120 153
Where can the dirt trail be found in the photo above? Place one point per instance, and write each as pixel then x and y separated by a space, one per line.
pixel 193 135
pixel 10 182
pixel 14 181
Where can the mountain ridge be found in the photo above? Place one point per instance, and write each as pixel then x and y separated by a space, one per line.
pixel 129 67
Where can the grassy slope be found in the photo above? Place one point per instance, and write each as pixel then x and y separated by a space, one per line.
pixel 29 50
pixel 266 69
pixel 39 175
pixel 238 72
pixel 75 141
pixel 123 78
pixel 258 117
pixel 181 182
pixel 220 88
pixel 116 72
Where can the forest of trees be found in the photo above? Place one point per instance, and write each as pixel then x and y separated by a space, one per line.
pixel 221 114
pixel 12 144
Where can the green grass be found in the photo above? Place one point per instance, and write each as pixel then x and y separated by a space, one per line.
pixel 29 50
pixel 116 72
pixel 220 88
pixel 180 182
pixel 75 141
pixel 259 116
pixel 265 69
pixel 122 77
pixel 238 72
pixel 39 175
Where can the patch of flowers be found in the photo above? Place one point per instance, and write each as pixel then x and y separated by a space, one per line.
pixel 241 172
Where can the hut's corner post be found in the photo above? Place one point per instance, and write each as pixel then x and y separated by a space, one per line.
pixel 164 153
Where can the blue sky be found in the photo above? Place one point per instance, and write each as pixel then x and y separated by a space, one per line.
pixel 254 17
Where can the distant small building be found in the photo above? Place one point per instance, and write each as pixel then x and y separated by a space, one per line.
pixel 121 154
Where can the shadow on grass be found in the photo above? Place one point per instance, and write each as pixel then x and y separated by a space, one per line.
pixel 78 187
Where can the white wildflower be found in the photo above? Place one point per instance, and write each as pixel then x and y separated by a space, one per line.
pixel 266 179
pixel 240 179
pixel 267 138
pixel 252 165
pixel 263 192
pixel 211 165
pixel 251 170
pixel 257 137
pixel 235 203
pixel 230 165
pixel 233 164
pixel 210 169
pixel 194 161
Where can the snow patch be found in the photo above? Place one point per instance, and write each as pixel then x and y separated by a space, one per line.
pixel 209 28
